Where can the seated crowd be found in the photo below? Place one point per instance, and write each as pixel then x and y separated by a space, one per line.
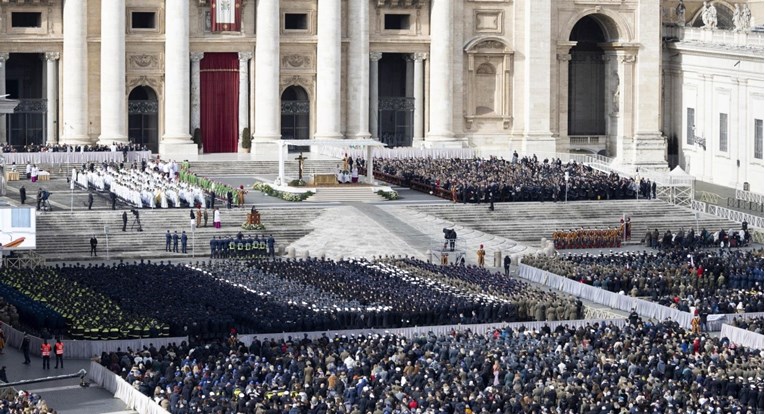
pixel 588 238
pixel 727 281
pixel 751 323
pixel 526 179
pixel 155 184
pixel 599 368
pixel 73 148
pixel 23 402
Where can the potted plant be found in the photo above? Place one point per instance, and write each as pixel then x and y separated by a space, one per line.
pixel 246 139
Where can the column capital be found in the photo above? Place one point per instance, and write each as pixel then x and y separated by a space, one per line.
pixel 52 56
pixel 4 56
pixel 419 56
pixel 627 57
pixel 375 56
pixel 564 57
pixel 196 56
pixel 245 56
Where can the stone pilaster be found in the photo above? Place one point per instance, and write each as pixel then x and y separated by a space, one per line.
pixel 196 116
pixel 4 56
pixel 268 99
pixel 113 102
pixel 51 95
pixel 244 94
pixel 374 93
pixel 537 134
pixel 419 94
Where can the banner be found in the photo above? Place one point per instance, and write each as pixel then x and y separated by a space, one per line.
pixel 226 15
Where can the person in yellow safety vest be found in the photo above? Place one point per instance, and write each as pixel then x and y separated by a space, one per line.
pixel 231 248
pixel 263 247
pixel 45 351
pixel 248 248
pixel 240 248
pixel 59 349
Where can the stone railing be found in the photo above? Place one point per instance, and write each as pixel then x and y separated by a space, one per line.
pixel 728 38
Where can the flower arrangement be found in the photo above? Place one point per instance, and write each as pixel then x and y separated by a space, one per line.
pixel 388 195
pixel 286 196
pixel 252 227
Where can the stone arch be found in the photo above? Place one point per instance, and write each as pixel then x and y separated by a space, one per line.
pixel 487 42
pixel 614 25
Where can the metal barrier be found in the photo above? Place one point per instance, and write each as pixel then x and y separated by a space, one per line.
pixel 750 197
pixel 733 215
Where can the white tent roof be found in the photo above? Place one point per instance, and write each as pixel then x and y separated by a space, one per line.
pixel 332 142
pixel 679 172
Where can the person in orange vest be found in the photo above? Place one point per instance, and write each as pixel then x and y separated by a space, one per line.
pixel 45 351
pixel 59 349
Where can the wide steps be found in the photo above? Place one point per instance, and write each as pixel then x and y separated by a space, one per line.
pixel 344 194
pixel 224 168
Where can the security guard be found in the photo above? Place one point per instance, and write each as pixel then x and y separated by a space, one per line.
pixel 59 349
pixel 45 351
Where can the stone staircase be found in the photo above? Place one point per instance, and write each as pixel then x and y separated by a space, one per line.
pixel 223 168
pixel 528 222
pixel 65 236
pixel 345 194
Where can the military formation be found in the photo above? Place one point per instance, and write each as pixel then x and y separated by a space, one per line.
pixel 242 247
pixel 588 238
pixel 599 368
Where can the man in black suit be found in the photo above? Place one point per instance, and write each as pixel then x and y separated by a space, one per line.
pixel 23 194
pixel 93 244
pixel 124 221
pixel 90 200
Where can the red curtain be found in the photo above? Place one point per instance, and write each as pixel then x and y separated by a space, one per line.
pixel 226 15
pixel 219 78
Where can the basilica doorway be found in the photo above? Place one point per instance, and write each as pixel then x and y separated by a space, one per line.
pixel 24 81
pixel 587 81
pixel 396 100
pixel 143 114
pixel 296 116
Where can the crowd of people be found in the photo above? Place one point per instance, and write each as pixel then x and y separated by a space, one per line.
pixel 53 304
pixel 588 238
pixel 722 238
pixel 598 368
pixel 242 246
pixel 496 179
pixel 724 281
pixel 23 402
pixel 261 296
pixel 751 323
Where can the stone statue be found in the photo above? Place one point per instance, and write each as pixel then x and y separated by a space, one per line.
pixel 680 14
pixel 744 21
pixel 709 16
pixel 736 18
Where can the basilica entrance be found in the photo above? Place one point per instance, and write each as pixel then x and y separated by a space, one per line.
pixel 587 81
pixel 26 125
pixel 296 111
pixel 396 100
pixel 143 110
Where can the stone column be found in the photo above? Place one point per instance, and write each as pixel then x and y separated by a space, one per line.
pixel 537 134
pixel 4 56
pixel 358 70
pixel 75 73
pixel 441 105
pixel 268 98
pixel 113 102
pixel 196 118
pixel 562 114
pixel 419 94
pixel 176 142
pixel 374 95
pixel 51 95
pixel 328 58
pixel 244 94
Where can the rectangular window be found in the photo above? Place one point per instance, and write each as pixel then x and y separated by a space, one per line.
pixel 396 22
pixel 724 132
pixel 690 125
pixel 295 21
pixel 26 19
pixel 21 218
pixel 143 20
pixel 758 139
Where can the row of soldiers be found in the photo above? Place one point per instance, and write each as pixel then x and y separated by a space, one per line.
pixel 587 238
pixel 241 246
